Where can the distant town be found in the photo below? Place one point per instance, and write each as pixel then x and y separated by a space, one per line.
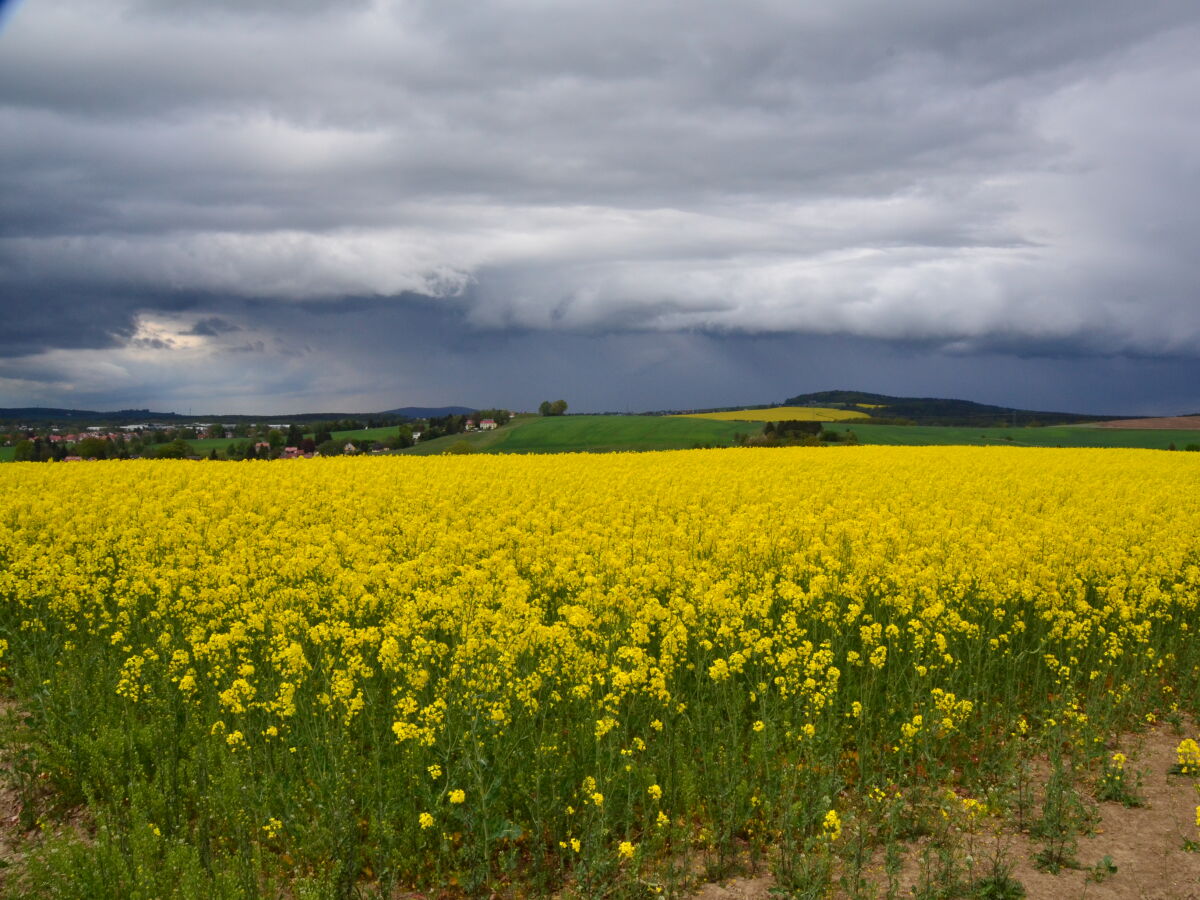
pixel 49 441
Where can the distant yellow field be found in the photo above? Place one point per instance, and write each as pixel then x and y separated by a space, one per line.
pixel 782 414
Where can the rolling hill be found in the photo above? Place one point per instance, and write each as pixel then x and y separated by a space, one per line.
pixel 937 410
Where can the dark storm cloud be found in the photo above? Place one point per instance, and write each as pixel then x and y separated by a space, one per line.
pixel 35 320
pixel 186 182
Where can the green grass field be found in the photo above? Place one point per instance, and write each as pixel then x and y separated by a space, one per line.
pixel 564 434
pixel 363 434
pixel 478 440
pixel 1047 436
pixel 608 433
pixel 6 453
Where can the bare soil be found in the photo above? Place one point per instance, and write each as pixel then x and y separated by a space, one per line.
pixel 1145 844
pixel 12 836
pixel 1165 423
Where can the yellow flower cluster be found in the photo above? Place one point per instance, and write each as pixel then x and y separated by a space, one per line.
pixel 832 825
pixel 1188 757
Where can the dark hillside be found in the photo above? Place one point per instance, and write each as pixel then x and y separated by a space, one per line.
pixel 937 410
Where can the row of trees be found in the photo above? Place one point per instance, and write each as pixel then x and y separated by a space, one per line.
pixel 39 450
pixel 552 408
pixel 440 426
pixel 793 433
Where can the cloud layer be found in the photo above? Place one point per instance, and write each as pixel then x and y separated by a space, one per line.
pixel 972 179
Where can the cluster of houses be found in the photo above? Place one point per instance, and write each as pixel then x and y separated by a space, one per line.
pixel 118 433
pixel 76 438
pixel 286 452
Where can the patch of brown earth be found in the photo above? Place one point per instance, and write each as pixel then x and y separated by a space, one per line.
pixel 1166 423
pixel 27 814
pixel 1132 853
pixel 12 835
pixel 737 889
pixel 1144 843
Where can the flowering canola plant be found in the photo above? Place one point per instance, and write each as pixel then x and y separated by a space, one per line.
pixel 456 670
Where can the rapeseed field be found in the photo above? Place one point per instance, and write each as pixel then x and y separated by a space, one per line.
pixel 577 675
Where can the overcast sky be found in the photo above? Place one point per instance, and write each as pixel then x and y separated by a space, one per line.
pixel 302 205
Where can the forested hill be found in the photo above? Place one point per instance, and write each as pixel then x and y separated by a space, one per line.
pixel 44 415
pixel 52 414
pixel 936 410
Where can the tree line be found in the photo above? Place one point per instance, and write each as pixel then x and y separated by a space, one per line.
pixel 794 433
